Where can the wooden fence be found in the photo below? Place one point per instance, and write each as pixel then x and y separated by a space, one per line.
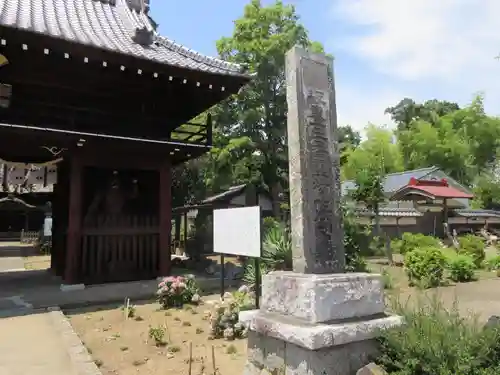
pixel 119 248
pixel 30 237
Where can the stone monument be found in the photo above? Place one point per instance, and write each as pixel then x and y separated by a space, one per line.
pixel 316 320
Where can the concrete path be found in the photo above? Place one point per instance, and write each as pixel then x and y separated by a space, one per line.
pixel 31 345
pixel 10 258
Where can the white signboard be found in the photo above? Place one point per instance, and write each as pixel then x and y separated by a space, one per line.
pixel 47 227
pixel 237 231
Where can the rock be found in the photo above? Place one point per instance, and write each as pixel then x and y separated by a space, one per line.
pixel 244 289
pixel 493 321
pixel 371 369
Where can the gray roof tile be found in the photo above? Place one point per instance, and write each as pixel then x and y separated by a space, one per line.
pixel 392 212
pixel 394 181
pixel 477 213
pixel 106 24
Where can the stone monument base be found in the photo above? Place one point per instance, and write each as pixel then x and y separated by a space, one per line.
pixel 316 324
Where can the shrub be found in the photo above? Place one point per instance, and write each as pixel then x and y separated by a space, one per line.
pixel 413 241
pixel 425 266
pixel 269 222
pixel 277 248
pixel 175 291
pixel 473 246
pixel 461 268
pixel 396 245
pixel 493 264
pixel 436 341
pixel 224 322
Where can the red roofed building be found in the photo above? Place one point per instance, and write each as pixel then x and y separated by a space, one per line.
pixel 421 200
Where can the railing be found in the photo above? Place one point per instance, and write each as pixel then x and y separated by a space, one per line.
pixel 119 248
pixel 30 237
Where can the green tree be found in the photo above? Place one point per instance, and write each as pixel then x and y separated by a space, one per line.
pixel 369 191
pixel 260 40
pixel 379 148
pixel 407 112
pixel 349 139
pixel 487 192
pixel 438 145
pixel 462 142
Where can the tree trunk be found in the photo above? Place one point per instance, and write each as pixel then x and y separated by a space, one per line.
pixel 388 250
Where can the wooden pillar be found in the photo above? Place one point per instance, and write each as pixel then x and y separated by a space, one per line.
pixel 54 250
pixel 185 231
pixel 74 221
pixel 165 213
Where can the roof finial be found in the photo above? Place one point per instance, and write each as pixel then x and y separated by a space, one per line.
pixel 144 36
pixel 139 5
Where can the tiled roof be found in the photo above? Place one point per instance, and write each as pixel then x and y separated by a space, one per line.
pixel 394 181
pixel 228 194
pixel 477 213
pixel 430 189
pixel 107 24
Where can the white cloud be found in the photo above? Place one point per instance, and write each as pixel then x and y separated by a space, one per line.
pixel 358 107
pixel 447 40
pixel 423 49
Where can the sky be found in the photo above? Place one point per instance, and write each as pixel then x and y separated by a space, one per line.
pixel 385 50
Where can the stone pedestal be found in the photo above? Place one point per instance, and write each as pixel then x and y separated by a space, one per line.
pixel 316 324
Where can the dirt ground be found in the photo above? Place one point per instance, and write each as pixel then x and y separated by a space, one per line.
pixel 123 347
pixel 37 262
pixel 480 298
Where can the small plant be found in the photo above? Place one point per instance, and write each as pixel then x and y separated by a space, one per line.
pixel 176 291
pixel 199 331
pixel 139 362
pixel 131 310
pixel 425 267
pixel 244 298
pixel 473 246
pixel 158 335
pixel 387 280
pixel 174 349
pixel 461 268
pixel 231 349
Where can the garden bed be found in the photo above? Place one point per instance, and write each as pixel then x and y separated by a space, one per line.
pixel 124 347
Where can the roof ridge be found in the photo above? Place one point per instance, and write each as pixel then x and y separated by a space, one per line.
pixel 209 60
pixel 412 170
